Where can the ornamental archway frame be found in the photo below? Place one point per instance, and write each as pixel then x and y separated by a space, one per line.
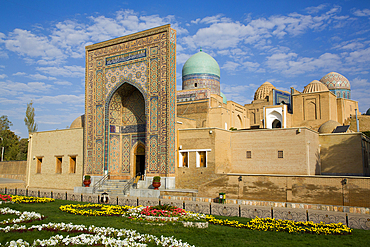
pixel 155 49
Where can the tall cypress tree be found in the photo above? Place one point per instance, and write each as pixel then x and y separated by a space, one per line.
pixel 29 120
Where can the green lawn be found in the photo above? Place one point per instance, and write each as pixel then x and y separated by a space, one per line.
pixel 211 236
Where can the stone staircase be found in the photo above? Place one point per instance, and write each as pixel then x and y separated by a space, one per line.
pixel 113 187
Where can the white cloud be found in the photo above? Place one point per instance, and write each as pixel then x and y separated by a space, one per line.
pixel 359 82
pixel 350 45
pixel 314 10
pixel 230 66
pixel 66 71
pixel 16 88
pixel 41 77
pixel 3 76
pixel 364 12
pixel 64 83
pixel 291 64
pixel 26 43
pixel 61 99
pixel 359 56
pixel 20 74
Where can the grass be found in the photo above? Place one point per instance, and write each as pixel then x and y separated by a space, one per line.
pixel 214 235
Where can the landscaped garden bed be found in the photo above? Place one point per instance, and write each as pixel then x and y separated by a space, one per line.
pixel 65 222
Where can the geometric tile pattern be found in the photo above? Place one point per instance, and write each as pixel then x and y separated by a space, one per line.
pixel 126 147
pixel 153 113
pixel 204 80
pixel 131 81
pixel 171 104
pixel 114 154
pixel 153 154
pixel 98 167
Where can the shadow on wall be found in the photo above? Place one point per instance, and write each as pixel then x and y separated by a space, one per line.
pixel 343 157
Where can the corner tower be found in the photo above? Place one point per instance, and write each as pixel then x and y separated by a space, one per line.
pixel 201 71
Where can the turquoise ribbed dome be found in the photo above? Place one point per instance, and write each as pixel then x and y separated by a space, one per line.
pixel 201 63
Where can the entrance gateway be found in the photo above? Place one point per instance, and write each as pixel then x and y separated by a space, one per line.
pixel 130 106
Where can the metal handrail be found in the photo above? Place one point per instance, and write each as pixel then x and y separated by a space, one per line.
pixel 130 182
pixel 98 184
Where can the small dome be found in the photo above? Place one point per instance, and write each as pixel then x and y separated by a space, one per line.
pixel 78 122
pixel 315 86
pixel 263 91
pixel 368 112
pixel 201 63
pixel 223 98
pixel 334 80
pixel 328 127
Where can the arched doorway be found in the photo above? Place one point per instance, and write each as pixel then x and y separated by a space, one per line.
pixel 139 159
pixel 127 126
pixel 276 124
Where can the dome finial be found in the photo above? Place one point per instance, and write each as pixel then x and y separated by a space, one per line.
pixel 200 48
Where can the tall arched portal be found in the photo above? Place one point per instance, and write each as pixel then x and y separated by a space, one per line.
pixel 127 125
pixel 130 106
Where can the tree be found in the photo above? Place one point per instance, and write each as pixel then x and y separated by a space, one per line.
pixel 5 123
pixel 29 120
pixel 14 148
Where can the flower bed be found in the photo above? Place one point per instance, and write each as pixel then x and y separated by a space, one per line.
pixel 24 217
pixel 268 224
pixel 30 199
pixel 163 213
pixel 5 198
pixel 106 236
pixel 152 214
pixel 94 209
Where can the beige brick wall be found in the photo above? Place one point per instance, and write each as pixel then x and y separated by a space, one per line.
pixel 300 189
pixel 13 169
pixel 191 177
pixel 228 153
pixel 300 152
pixel 363 120
pixel 48 145
pixel 325 109
pixel 341 154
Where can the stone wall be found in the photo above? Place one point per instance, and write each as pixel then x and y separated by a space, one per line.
pixel 329 190
pixel 45 148
pixel 341 154
pixel 13 169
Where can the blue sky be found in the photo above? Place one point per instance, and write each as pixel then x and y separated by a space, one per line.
pixel 288 43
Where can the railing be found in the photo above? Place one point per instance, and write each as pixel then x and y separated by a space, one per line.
pixel 131 182
pixel 98 184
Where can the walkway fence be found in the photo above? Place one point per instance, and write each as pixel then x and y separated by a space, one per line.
pixel 353 220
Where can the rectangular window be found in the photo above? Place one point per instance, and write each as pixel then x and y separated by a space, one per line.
pixel 201 159
pixel 72 164
pixel 249 154
pixel 38 164
pixel 184 159
pixel 280 154
pixel 58 168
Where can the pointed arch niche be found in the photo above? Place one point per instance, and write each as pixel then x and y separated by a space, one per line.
pixel 275 116
pixel 127 125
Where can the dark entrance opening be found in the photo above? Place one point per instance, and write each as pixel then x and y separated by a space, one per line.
pixel 276 124
pixel 140 166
